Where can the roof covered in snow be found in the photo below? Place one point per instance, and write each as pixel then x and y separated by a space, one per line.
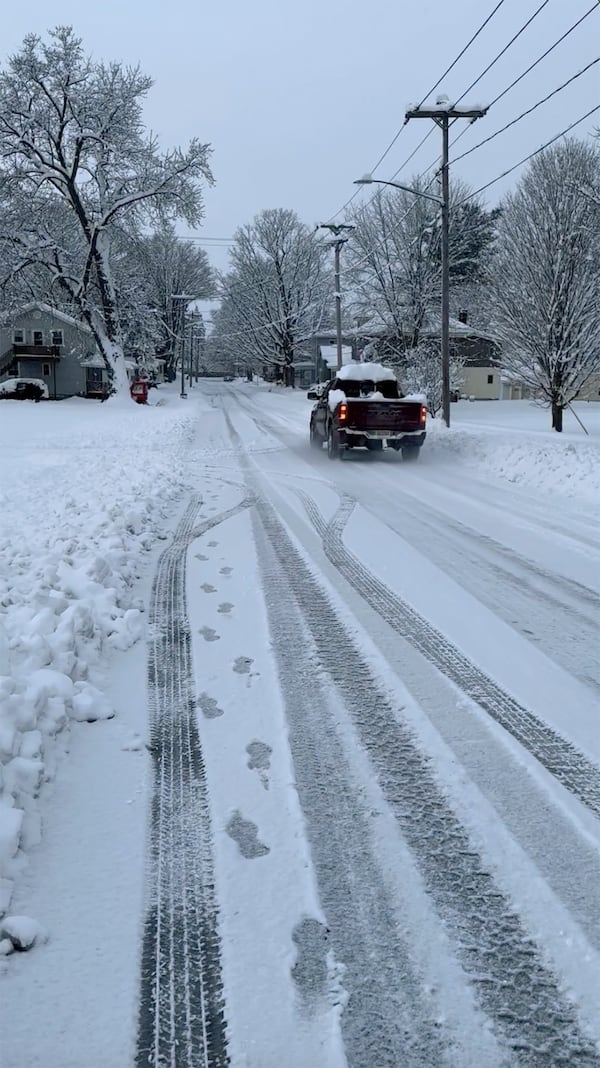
pixel 431 327
pixel 47 309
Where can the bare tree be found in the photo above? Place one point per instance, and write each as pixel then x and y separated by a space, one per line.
pixel 393 264
pixel 274 295
pixel 75 164
pixel 394 259
pixel 149 271
pixel 546 276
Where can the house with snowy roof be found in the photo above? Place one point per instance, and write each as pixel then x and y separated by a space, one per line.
pixel 476 350
pixel 39 341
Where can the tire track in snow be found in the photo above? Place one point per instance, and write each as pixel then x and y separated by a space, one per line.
pixel 504 966
pixel 560 757
pixel 181 1018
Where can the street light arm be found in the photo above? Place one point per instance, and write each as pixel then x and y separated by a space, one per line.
pixel 367 179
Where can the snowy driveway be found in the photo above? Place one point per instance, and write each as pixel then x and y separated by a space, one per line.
pixel 375 790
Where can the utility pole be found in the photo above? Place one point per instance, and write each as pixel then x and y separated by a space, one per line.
pixel 338 229
pixel 191 359
pixel 180 302
pixel 441 114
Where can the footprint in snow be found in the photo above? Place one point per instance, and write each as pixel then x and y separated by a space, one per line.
pixel 245 834
pixel 225 607
pixel 259 759
pixel 201 556
pixel 209 706
pixel 212 544
pixel 209 634
pixel 206 586
pixel 225 570
pixel 242 664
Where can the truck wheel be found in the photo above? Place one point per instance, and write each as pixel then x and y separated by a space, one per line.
pixel 315 440
pixel 374 445
pixel 411 452
pixel 333 448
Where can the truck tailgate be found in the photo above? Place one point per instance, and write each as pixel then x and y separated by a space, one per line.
pixel 396 416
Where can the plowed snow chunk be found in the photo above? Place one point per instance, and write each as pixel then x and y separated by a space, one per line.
pixel 90 704
pixel 11 820
pixel 45 682
pixel 23 931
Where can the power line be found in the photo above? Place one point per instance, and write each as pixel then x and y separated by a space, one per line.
pixel 485 71
pixel 531 155
pixel 430 91
pixel 439 82
pixel 473 38
pixel 476 192
pixel 503 93
pixel 527 112
pixel 504 50
pixel 204 240
pixel 531 67
pixel 515 81
pixel 594 7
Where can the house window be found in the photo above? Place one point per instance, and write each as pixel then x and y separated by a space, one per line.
pixel 38 337
pixel 46 370
pixel 57 337
pixel 490 380
pixel 18 337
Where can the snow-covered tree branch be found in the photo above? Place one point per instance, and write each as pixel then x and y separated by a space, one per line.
pixel 76 163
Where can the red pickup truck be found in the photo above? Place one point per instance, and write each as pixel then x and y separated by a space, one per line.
pixel 362 407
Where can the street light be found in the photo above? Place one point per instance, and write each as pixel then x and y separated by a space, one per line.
pixel 182 299
pixel 368 179
pixel 442 202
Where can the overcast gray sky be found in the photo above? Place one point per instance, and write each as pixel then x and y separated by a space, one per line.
pixel 299 99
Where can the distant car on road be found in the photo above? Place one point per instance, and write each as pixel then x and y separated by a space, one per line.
pixel 228 378
pixel 316 390
pixel 23 389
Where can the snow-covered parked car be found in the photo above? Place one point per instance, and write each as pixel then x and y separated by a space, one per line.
pixel 23 389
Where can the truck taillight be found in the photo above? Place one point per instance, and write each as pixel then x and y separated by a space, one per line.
pixel 423 414
pixel 343 413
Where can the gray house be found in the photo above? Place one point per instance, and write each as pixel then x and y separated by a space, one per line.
pixel 38 341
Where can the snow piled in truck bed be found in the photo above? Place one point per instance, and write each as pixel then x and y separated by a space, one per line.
pixel 84 490
pixel 365 372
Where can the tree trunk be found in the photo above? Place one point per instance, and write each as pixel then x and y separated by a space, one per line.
pixel 557 417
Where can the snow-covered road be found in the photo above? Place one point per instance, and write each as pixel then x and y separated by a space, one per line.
pixel 373 768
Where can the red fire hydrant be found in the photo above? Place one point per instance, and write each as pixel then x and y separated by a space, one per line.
pixel 139 391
